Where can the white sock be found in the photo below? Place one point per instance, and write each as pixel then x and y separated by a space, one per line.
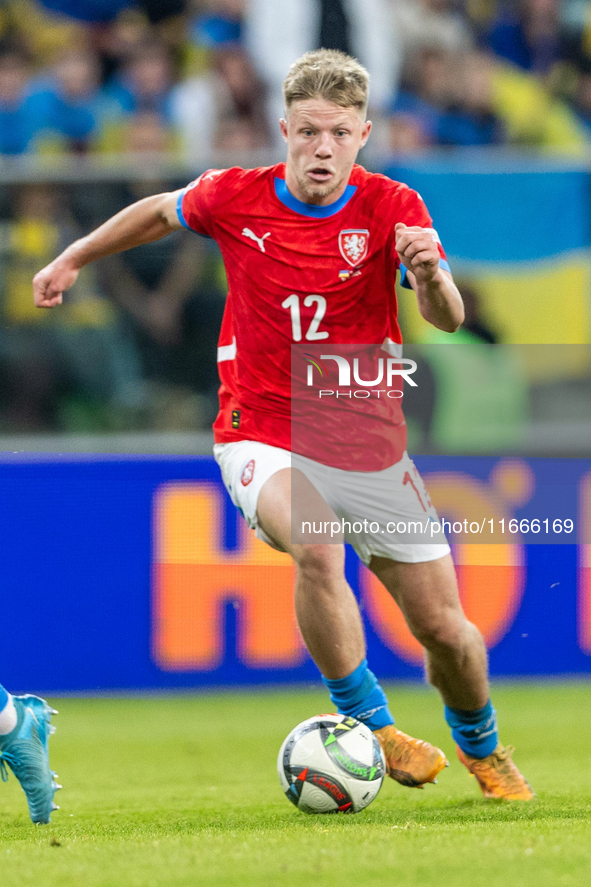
pixel 8 717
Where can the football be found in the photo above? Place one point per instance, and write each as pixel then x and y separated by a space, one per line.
pixel 331 764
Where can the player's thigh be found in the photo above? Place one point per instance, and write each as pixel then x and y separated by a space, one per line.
pixel 427 593
pixel 272 497
pixel 288 500
pixel 273 509
pixel 246 467
pixel 388 513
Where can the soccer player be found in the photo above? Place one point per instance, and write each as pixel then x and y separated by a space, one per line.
pixel 296 274
pixel 24 735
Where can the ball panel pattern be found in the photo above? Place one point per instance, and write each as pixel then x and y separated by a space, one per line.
pixel 331 763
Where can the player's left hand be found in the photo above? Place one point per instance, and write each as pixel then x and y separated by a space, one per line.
pixel 418 252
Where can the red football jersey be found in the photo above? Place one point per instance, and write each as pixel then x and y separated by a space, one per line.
pixel 297 273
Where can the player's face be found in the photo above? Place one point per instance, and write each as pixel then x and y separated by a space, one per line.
pixel 323 141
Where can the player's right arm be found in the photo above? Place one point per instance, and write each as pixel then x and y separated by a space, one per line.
pixel 143 222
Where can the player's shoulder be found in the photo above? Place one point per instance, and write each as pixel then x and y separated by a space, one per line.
pixel 229 190
pixel 231 179
pixel 379 186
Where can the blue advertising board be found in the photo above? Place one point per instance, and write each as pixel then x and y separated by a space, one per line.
pixel 137 573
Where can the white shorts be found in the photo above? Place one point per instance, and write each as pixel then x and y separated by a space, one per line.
pixel 380 498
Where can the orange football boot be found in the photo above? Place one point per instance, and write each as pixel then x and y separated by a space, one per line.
pixel 497 775
pixel 409 761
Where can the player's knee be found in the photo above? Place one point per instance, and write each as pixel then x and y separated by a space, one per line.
pixel 319 563
pixel 443 632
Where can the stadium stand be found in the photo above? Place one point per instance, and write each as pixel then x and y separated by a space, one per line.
pixel 134 96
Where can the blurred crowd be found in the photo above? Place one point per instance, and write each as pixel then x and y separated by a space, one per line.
pixel 133 347
pixel 195 77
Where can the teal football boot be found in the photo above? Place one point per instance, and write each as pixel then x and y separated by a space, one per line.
pixel 25 750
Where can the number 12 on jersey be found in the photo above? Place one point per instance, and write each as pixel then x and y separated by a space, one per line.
pixel 313 334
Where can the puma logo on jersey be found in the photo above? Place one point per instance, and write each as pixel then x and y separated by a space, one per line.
pixel 246 232
pixel 204 177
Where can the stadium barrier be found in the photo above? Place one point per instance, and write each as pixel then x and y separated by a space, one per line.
pixel 138 573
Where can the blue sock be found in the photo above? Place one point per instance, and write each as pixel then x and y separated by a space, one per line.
pixel 3 698
pixel 474 731
pixel 360 696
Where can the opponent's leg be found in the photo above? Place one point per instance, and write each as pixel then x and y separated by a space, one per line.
pixel 24 735
pixel 456 665
pixel 330 623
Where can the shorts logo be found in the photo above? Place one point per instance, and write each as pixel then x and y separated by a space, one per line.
pixel 354 244
pixel 248 473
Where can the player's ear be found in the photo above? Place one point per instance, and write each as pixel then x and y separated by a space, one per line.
pixel 365 132
pixel 283 125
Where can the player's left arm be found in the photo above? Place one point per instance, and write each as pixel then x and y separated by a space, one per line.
pixel 440 302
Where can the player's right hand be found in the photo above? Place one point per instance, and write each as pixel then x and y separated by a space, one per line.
pixel 50 283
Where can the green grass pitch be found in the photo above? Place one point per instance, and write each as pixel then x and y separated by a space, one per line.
pixel 182 790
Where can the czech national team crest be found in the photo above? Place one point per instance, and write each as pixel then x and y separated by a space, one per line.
pixel 248 473
pixel 353 245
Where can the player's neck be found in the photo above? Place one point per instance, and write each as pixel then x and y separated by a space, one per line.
pixel 303 197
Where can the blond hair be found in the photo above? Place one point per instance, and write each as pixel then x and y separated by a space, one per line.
pixel 327 74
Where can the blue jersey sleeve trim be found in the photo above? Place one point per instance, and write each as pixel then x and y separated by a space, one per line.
pixel 309 209
pixel 405 282
pixel 179 211
pixel 181 217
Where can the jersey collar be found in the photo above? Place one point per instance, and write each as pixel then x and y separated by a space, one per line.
pixel 309 209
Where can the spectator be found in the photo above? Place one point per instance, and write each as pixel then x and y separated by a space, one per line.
pixel 162 11
pixel 530 115
pixel 275 34
pixel 146 81
pixel 244 111
pixel 88 10
pixel 122 39
pixel 70 103
pixel 529 35
pixel 427 90
pixel 582 99
pixel 101 11
pixel 219 24
pixel 76 372
pixel 170 312
pixel 223 110
pixel 41 33
pixel 480 14
pixel 450 100
pixel 145 133
pixel 576 30
pixel 408 134
pixel 475 322
pixel 433 74
pixel 575 15
pixel 470 119
pixel 475 99
pixel 430 24
pixel 18 122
